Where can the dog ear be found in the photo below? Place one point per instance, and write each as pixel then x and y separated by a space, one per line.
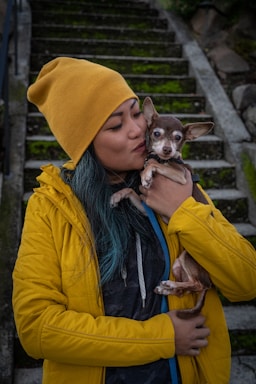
pixel 194 130
pixel 149 111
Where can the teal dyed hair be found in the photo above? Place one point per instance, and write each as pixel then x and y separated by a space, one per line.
pixel 113 228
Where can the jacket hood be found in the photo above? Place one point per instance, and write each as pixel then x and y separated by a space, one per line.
pixel 61 195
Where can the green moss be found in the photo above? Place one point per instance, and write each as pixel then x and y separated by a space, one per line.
pixel 185 151
pixel 17 91
pixel 252 240
pixel 250 174
pixel 186 8
pixel 181 106
pixel 151 68
pixel 148 87
pixel 45 150
pixel 243 341
pixel 224 175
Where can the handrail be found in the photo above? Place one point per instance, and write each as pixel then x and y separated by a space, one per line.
pixel 11 11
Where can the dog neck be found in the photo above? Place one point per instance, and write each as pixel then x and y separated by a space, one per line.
pixel 177 160
pixel 154 156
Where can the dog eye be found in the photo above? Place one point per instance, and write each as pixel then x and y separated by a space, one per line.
pixel 156 133
pixel 177 137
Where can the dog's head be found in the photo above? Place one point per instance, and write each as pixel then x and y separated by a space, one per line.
pixel 166 134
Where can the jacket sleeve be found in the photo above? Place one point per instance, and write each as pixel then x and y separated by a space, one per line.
pixel 48 329
pixel 215 244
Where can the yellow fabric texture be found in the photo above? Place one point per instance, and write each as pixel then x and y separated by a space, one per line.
pixel 76 97
pixel 58 305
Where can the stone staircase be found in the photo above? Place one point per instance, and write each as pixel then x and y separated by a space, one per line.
pixel 135 39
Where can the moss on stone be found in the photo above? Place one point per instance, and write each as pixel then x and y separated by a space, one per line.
pixel 45 150
pixel 250 174
pixel 242 341
pixel 245 47
pixel 166 87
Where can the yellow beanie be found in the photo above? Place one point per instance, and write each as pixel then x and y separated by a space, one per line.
pixel 76 97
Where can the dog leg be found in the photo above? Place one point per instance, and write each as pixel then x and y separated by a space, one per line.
pixel 127 193
pixel 188 313
pixel 174 172
pixel 178 288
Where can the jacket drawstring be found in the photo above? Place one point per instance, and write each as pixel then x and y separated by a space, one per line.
pixel 140 270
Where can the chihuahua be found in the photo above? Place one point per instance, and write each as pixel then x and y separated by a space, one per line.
pixel 165 137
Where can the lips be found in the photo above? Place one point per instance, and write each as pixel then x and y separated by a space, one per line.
pixel 141 146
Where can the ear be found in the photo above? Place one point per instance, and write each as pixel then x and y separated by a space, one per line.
pixel 195 130
pixel 149 111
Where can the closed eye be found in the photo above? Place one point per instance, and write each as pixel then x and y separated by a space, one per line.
pixel 116 127
pixel 137 115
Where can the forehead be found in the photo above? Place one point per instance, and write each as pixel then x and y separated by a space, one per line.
pixel 168 122
pixel 128 104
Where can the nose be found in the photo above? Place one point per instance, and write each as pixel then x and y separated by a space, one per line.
pixel 136 129
pixel 167 150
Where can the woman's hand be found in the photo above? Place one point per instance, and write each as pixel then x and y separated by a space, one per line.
pixel 165 196
pixel 190 334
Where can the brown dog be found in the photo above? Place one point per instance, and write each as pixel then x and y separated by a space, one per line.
pixel 166 136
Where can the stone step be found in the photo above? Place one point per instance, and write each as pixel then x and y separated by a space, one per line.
pixel 232 203
pixel 109 7
pixel 170 103
pixel 119 47
pixel 95 32
pixel 241 317
pixel 247 230
pixel 123 64
pixel 209 147
pixel 217 174
pixel 162 84
pixel 45 146
pixel 214 174
pixel 37 125
pixel 176 103
pixel 142 21
pixel 154 83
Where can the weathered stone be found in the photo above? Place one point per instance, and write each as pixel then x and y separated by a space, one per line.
pixel 249 117
pixel 244 96
pixel 207 23
pixel 228 61
pixel 246 26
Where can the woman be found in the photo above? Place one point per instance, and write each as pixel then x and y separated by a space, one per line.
pixel 85 274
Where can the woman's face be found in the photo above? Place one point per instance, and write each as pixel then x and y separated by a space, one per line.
pixel 120 144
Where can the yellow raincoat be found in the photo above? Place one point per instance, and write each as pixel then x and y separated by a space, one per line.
pixel 58 305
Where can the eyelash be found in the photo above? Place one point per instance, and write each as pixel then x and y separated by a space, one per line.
pixel 116 127
pixel 135 115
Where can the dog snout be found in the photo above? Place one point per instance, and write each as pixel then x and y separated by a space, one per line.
pixel 167 150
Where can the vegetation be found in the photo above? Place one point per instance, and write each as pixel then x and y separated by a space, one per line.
pixel 186 8
pixel 243 342
pixel 250 174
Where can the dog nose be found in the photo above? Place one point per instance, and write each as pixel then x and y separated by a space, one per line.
pixel 167 150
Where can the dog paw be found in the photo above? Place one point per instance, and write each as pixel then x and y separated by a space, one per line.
pixel 164 288
pixel 114 200
pixel 146 182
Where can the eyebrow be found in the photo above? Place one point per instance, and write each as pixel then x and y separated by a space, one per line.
pixel 120 113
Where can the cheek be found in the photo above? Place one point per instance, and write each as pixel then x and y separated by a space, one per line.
pixel 109 151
